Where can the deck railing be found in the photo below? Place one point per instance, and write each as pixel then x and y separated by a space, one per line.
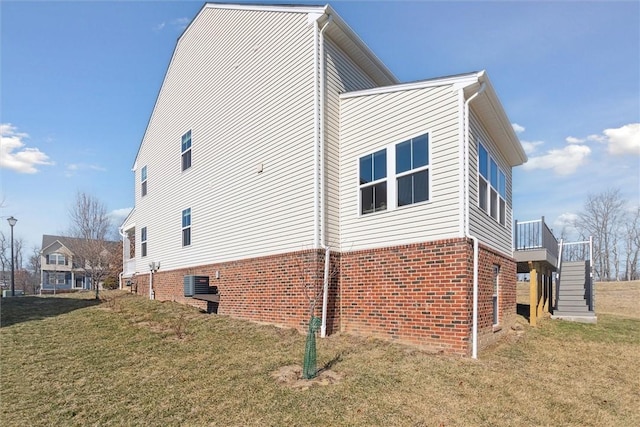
pixel 532 235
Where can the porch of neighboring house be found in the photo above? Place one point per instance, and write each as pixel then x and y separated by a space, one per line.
pixel 64 281
pixel 539 254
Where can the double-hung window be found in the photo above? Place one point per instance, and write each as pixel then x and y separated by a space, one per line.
pixel 373 182
pixel 412 170
pixel 186 227
pixel 57 259
pixel 492 186
pixel 186 151
pixel 143 240
pixel 143 179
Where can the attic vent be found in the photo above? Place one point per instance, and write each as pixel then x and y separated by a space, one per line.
pixel 196 285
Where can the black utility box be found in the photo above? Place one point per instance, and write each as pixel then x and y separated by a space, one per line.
pixel 194 285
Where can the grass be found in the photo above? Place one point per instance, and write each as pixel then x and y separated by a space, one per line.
pixel 71 361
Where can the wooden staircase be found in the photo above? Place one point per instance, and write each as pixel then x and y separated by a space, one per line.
pixel 574 292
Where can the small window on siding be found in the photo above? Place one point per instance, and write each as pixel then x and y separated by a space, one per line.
pixel 412 170
pixel 373 182
pixel 143 179
pixel 186 151
pixel 186 227
pixel 143 241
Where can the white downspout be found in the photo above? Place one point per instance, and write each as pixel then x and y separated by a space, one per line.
pixel 476 246
pixel 121 233
pixel 325 291
pixel 316 137
pixel 150 284
pixel 322 208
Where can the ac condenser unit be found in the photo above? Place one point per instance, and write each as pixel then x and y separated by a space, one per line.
pixel 194 285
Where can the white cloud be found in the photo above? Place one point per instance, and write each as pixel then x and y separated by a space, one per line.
pixel 15 156
pixel 574 140
pixel 517 128
pixel 564 225
pixel 72 168
pixel 530 146
pixel 624 140
pixel 563 161
pixel 597 138
pixel 181 23
pixel 119 215
pixel 159 27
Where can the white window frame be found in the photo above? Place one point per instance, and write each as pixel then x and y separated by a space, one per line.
pixel 57 276
pixel 497 210
pixel 143 242
pixel 373 182
pixel 185 227
pixel 416 170
pixel 391 176
pixel 58 256
pixel 186 150
pixel 143 179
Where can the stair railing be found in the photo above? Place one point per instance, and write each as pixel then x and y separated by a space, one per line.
pixel 560 245
pixel 579 251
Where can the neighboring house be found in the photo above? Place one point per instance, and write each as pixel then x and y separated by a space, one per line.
pixel 60 268
pixel 277 133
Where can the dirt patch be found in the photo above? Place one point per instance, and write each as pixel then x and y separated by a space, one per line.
pixel 291 376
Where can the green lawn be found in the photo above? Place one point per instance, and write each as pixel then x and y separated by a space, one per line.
pixel 67 360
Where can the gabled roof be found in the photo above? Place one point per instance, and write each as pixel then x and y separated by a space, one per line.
pixel 338 31
pixel 49 240
pixel 486 105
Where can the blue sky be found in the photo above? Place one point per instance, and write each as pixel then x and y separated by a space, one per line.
pixel 78 81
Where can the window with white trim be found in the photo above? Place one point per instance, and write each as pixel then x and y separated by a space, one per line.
pixel 186 227
pixel 143 240
pixel 412 170
pixel 492 186
pixel 143 179
pixel 373 182
pixel 186 150
pixel 57 278
pixel 56 259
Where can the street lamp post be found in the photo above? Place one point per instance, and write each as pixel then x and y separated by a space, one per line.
pixel 12 221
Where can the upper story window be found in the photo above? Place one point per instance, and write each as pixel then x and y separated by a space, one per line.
pixel 143 240
pixel 56 259
pixel 492 186
pixel 373 182
pixel 143 179
pixel 412 170
pixel 186 227
pixel 186 151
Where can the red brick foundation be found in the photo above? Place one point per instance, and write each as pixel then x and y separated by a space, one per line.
pixel 422 294
pixel 419 294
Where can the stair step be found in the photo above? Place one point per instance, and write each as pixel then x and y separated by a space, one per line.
pixel 572 293
pixel 573 308
pixel 567 297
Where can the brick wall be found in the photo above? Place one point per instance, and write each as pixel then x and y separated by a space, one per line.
pixel 422 294
pixel 419 294
pixel 267 289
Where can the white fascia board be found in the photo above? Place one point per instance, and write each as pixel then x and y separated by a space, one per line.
pixel 267 7
pixel 456 81
pixel 517 156
pixel 346 30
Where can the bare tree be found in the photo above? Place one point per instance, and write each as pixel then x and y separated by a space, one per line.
pixel 90 226
pixel 602 218
pixel 35 268
pixel 631 242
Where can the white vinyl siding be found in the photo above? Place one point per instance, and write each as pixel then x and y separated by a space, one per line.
pixel 242 81
pixel 373 122
pixel 481 223
pixel 342 75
